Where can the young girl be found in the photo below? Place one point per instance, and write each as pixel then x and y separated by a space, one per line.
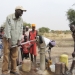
pixel 26 48
pixel 32 35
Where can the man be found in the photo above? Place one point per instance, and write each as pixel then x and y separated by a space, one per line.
pixel 32 35
pixel 72 28
pixel 73 62
pixel 12 36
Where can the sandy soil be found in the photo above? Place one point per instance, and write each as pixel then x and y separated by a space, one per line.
pixel 64 45
pixel 55 53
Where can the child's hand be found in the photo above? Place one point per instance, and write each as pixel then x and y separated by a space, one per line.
pixel 28 48
pixel 31 45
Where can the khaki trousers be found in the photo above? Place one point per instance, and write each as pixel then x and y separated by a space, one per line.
pixel 9 53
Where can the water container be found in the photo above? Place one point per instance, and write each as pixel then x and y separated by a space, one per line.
pixel 52 67
pixel 26 65
pixel 64 58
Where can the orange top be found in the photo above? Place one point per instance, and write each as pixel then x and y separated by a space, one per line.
pixel 32 35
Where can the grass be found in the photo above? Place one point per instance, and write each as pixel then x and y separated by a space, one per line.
pixel 62 40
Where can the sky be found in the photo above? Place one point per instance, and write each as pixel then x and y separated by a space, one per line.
pixel 43 13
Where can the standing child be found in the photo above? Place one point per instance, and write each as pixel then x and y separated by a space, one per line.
pixel 32 35
pixel 26 48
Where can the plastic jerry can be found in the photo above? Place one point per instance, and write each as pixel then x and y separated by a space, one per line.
pixel 26 65
pixel 64 58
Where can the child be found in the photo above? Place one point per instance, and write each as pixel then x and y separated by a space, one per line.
pixel 32 35
pixel 26 48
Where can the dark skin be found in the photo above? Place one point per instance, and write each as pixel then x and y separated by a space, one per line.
pixel 33 28
pixel 72 28
pixel 18 13
pixel 24 32
pixel 27 28
pixel 73 55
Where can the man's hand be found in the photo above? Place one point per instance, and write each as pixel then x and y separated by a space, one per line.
pixel 18 42
pixel 9 42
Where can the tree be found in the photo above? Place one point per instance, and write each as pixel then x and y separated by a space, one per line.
pixel 71 16
pixel 27 24
pixel 52 31
pixel 44 29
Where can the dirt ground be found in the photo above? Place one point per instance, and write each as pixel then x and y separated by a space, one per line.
pixel 55 53
pixel 64 45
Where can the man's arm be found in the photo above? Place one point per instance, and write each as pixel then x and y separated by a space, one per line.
pixel 7 28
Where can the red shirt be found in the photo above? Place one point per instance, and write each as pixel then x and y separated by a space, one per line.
pixel 25 46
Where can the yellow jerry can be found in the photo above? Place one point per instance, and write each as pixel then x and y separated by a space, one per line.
pixel 64 58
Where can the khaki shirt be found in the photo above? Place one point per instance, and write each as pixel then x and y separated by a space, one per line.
pixel 13 28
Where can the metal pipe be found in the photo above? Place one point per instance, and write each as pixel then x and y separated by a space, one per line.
pixel 24 43
pixel 42 59
pixel 42 56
